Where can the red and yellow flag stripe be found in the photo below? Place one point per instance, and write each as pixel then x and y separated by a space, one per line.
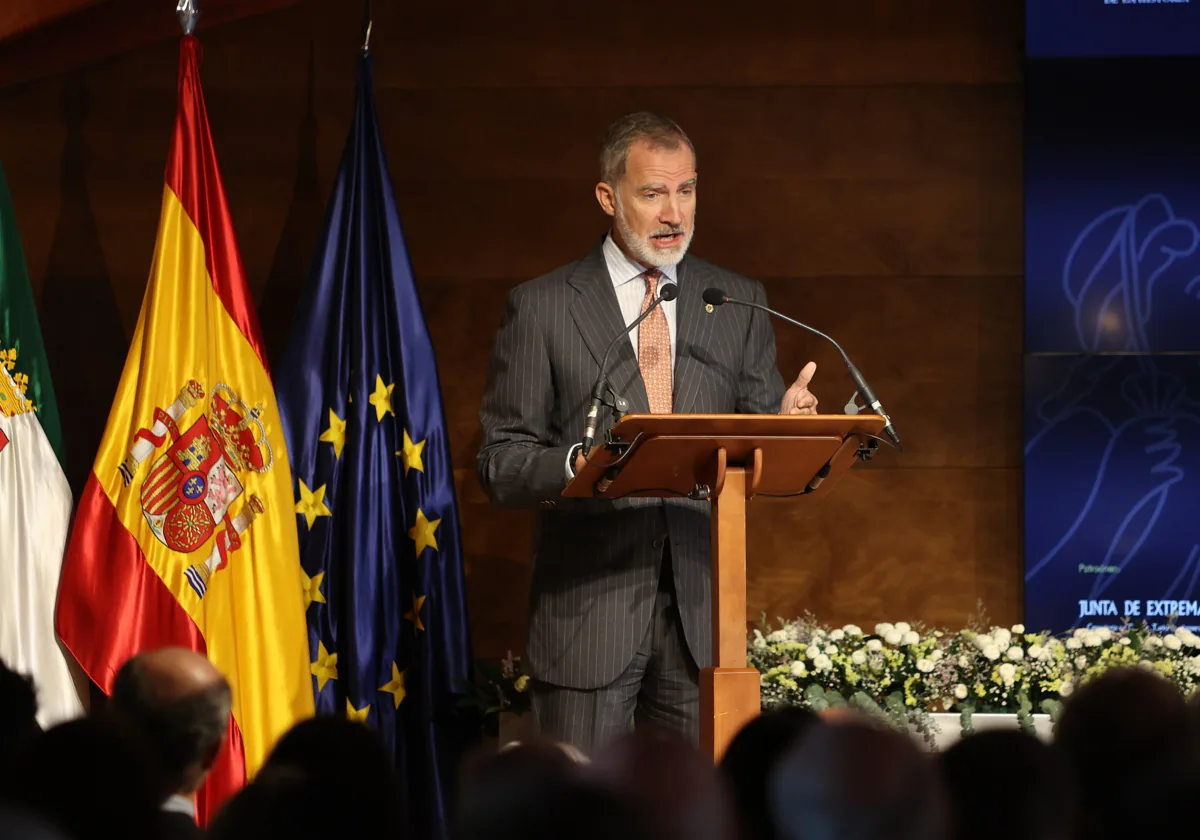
pixel 186 533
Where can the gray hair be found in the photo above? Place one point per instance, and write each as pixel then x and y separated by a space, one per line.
pixel 184 731
pixel 662 133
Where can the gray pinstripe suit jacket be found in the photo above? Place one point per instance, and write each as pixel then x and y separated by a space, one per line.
pixel 596 562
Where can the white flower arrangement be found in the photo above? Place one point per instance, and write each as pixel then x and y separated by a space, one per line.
pixel 902 672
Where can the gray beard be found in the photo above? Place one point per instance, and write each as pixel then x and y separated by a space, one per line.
pixel 643 251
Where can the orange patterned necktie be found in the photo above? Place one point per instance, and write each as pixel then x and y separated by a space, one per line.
pixel 654 350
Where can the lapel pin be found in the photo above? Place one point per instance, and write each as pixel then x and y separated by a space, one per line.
pixel 708 307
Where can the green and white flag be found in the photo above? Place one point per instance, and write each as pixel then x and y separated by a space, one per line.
pixel 35 498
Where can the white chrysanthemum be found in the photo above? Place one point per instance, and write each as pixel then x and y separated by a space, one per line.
pixel 812 651
pixel 852 630
pixel 902 626
pixel 924 666
pixel 960 691
pixel 893 637
pixel 1008 672
pixel 912 638
pixel 883 629
pixel 1081 662
pixel 936 654
pixel 1080 632
pixel 798 669
pixel 1036 651
pixel 1126 641
pixel 822 663
pixel 991 652
pixel 831 650
pixel 1073 643
pixel 1104 633
pixel 874 645
pixel 858 658
pixel 1172 643
pixel 1092 640
pixel 760 641
pixel 1066 688
pixel 983 640
pixel 1001 637
pixel 1015 653
pixel 1018 628
pixel 777 636
pixel 1152 642
pixel 837 635
pixel 964 662
pixel 1145 664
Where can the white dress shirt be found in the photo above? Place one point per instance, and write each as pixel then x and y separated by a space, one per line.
pixel 630 286
pixel 180 805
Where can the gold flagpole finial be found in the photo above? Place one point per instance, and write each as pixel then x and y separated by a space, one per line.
pixel 366 47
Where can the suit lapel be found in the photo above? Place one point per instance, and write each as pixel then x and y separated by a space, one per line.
pixel 598 317
pixel 695 327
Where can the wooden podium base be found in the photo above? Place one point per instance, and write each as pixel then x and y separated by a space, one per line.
pixel 729 699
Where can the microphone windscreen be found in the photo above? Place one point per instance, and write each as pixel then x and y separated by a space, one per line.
pixel 714 297
pixel 668 291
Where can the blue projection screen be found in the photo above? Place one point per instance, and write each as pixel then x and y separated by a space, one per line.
pixel 1112 207
pixel 1112 343
pixel 1112 490
pixel 1097 28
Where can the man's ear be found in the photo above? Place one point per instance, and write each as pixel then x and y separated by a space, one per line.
pixel 607 198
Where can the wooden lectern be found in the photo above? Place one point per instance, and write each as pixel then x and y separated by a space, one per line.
pixel 727 459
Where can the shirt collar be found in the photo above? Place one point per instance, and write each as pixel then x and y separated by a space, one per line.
pixel 180 805
pixel 625 270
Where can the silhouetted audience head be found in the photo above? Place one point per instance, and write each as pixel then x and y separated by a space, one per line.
pixel 750 759
pixel 341 761
pixel 1193 705
pixel 666 777
pixel 22 824
pixel 538 791
pixel 854 780
pixel 1128 735
pixel 93 777
pixel 18 710
pixel 181 703
pixel 325 745
pixel 1040 799
pixel 287 803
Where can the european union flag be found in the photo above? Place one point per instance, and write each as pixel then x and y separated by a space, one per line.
pixel 379 538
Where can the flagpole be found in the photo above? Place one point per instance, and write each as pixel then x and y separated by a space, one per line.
pixel 188 12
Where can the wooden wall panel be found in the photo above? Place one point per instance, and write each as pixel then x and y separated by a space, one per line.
pixel 862 158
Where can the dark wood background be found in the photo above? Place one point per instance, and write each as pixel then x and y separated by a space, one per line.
pixel 863 158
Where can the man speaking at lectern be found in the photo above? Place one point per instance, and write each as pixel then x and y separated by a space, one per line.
pixel 620 605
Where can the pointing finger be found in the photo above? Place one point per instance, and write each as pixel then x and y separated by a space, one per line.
pixel 806 374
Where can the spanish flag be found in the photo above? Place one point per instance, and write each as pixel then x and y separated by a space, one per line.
pixel 186 531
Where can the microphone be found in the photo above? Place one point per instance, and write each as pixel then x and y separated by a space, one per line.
pixel 667 291
pixel 716 297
